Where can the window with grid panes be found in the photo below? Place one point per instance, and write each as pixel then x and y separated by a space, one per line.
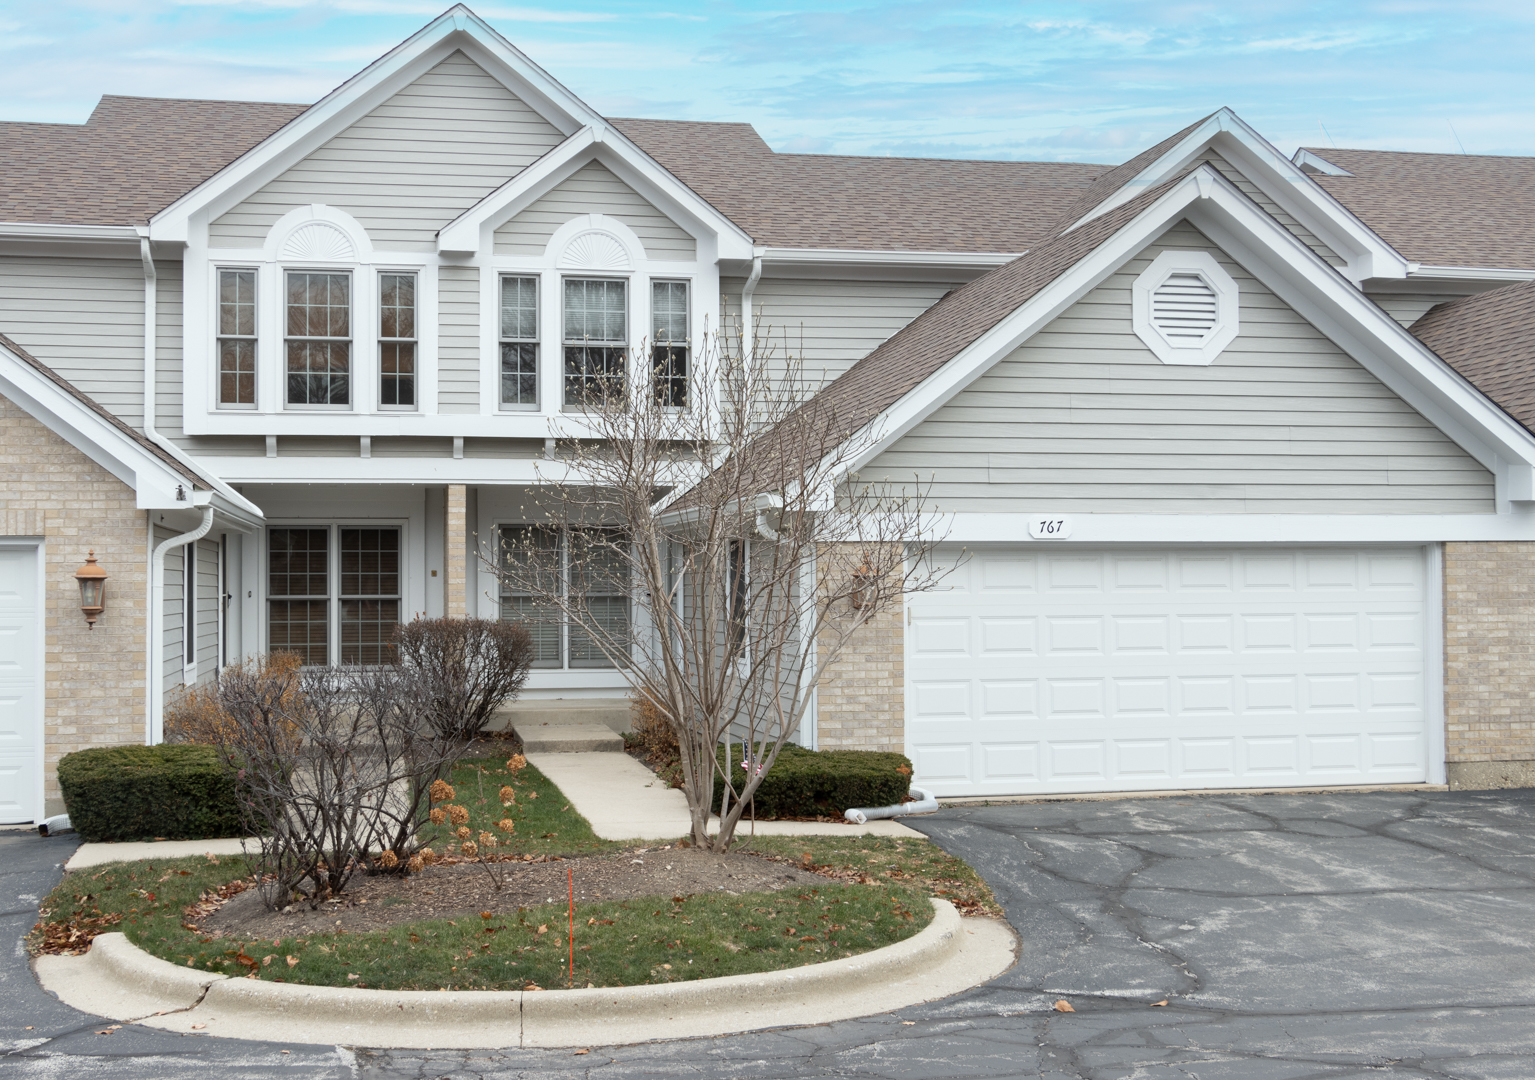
pixel 596 318
pixel 298 593
pixel 369 593
pixel 319 332
pixel 582 565
pixel 237 339
pixel 397 341
pixel 519 341
pixel 669 342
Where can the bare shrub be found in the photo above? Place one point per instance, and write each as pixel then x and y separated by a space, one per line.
pixel 464 669
pixel 195 714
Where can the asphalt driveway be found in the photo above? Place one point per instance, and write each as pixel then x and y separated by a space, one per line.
pixel 1292 936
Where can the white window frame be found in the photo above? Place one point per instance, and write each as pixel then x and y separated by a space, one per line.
pixel 541 352
pixel 1173 350
pixel 378 347
pixel 563 547
pixel 333 598
pixel 623 343
pixel 219 337
pixel 355 303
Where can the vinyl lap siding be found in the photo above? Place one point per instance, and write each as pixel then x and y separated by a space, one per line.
pixel 829 325
pixel 168 351
pixel 85 319
pixel 409 167
pixel 458 342
pixel 1084 418
pixel 1272 209
pixel 593 189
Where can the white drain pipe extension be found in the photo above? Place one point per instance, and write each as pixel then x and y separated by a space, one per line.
pixel 926 803
pixel 156 673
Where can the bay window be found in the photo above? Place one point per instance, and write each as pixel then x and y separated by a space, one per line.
pixel 318 334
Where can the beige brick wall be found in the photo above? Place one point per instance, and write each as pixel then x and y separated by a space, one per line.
pixel 95 678
pixel 1489 685
pixel 861 700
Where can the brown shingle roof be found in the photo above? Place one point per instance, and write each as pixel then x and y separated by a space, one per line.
pixel 1490 339
pixel 868 203
pixel 75 392
pixel 1441 209
pixel 133 157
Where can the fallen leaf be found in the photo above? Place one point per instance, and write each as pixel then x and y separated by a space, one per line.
pixel 1064 1006
pixel 292 960
pixel 580 1052
pixel 907 1023
pixel 485 915
pixel 198 1027
pixel 266 961
pixel 543 928
pixel 1154 1004
pixel 354 976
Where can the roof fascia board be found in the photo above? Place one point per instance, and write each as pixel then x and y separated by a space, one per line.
pixel 1303 279
pixel 154 483
pixel 1295 192
pixel 1305 158
pixel 21 230
pixel 965 261
pixel 1468 273
pixel 471 232
pixel 458 29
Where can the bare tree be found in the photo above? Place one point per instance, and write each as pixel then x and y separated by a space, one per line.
pixel 706 535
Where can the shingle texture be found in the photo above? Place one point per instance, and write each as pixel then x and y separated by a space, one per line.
pixel 1490 339
pixel 869 203
pixel 133 157
pixel 1441 209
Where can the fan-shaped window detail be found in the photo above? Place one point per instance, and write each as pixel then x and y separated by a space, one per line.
pixel 1184 307
pixel 595 251
pixel 318 241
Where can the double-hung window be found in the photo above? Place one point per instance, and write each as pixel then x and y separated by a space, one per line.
pixel 327 607
pixel 397 341
pixel 519 341
pixel 237 339
pixel 596 320
pixel 319 338
pixel 669 342
pixel 581 566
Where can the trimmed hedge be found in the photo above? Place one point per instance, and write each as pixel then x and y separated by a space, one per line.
pixel 144 792
pixel 811 783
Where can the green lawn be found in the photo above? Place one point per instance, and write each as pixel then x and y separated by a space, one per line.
pixel 892 860
pixel 546 824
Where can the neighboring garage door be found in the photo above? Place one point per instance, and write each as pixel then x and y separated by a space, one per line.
pixel 20 655
pixel 1046 670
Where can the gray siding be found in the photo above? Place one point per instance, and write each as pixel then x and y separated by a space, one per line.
pixel 412 165
pixel 85 319
pixel 829 325
pixel 168 294
pixel 593 189
pixel 1409 309
pixel 208 608
pixel 458 340
pixel 1270 207
pixel 1084 418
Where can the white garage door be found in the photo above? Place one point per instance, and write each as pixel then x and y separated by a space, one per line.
pixel 1039 671
pixel 20 655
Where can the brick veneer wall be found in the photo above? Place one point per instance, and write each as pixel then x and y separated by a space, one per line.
pixel 861 699
pixel 1489 684
pixel 94 693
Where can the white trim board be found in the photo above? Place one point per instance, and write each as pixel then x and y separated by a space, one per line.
pixel 1262 529
pixel 1299 277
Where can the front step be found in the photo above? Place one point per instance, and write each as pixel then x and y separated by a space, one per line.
pixel 567 725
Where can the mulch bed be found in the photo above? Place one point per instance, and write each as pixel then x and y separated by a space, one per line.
pixel 449 890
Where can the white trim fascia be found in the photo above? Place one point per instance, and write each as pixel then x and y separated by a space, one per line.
pixel 1367 254
pixel 1300 277
pixel 966 261
pixel 154 483
pixel 1264 529
pixel 1469 273
pixel 1434 649
pixel 11 230
pixel 458 29
pixel 472 232
pixel 1303 157
pixel 392 470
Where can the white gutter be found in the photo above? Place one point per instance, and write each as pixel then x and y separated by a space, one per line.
pixel 1469 273
pixel 155 677
pixel 968 261
pixel 12 230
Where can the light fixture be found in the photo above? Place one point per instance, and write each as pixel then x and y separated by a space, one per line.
pixel 93 589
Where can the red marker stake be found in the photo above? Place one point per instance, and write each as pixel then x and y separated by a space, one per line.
pixel 571 877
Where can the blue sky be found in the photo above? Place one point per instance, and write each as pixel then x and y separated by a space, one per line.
pixel 1046 80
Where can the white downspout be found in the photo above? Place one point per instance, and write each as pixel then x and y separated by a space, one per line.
pixel 748 324
pixel 156 673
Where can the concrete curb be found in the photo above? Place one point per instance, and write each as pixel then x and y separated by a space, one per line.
pixel 124 982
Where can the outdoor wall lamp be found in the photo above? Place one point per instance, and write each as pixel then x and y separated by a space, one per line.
pixel 93 589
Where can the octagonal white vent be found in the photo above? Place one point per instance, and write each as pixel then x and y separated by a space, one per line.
pixel 318 241
pixel 1184 307
pixel 595 251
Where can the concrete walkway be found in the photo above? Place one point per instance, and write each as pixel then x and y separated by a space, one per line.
pixel 626 801
pixel 132 850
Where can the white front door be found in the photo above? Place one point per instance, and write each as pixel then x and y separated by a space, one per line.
pixel 21 656
pixel 1039 670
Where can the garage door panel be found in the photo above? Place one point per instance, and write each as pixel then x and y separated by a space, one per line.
pixel 20 657
pixel 1166 669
